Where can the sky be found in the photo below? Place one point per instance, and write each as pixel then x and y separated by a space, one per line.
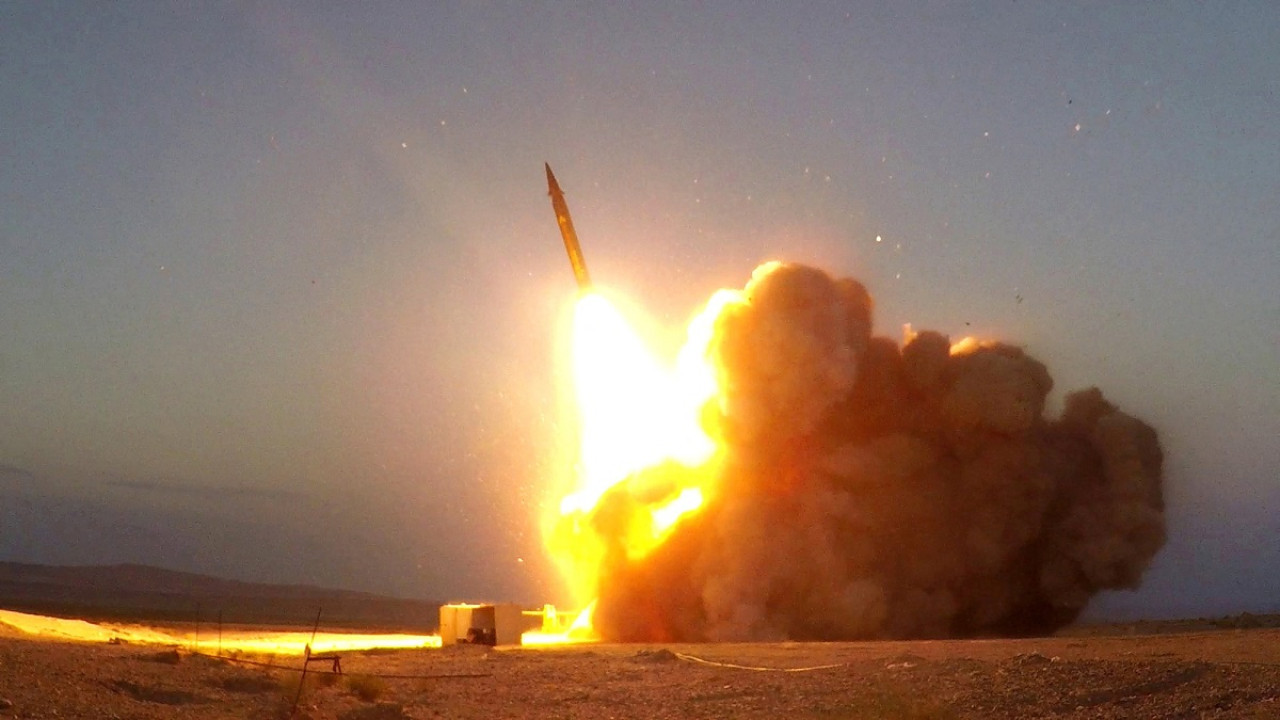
pixel 282 297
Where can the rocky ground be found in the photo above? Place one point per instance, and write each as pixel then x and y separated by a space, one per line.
pixel 1218 673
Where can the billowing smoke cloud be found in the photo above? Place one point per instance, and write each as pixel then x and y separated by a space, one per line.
pixel 870 491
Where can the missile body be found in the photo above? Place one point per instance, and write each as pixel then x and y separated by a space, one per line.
pixel 567 232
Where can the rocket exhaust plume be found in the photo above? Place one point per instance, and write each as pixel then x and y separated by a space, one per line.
pixel 567 232
pixel 862 489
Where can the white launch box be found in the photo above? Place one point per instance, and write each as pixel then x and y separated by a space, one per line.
pixel 481 624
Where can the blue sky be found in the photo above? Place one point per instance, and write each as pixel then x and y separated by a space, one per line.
pixel 286 277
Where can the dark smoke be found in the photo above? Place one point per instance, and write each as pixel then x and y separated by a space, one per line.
pixel 868 491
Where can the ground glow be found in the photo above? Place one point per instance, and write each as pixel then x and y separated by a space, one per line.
pixel 266 642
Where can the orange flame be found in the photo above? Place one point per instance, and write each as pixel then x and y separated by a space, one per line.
pixel 635 412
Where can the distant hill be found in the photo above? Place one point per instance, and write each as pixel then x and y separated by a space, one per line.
pixel 145 578
pixel 139 592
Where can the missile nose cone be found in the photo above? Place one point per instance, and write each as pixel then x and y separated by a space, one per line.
pixel 553 187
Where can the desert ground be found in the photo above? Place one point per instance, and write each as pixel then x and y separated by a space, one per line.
pixel 1190 670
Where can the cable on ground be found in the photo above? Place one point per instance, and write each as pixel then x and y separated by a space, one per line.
pixel 703 661
pixel 290 668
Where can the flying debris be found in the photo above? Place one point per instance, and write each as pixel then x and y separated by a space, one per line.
pixel 567 232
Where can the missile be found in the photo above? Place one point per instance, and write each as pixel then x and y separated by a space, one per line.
pixel 567 233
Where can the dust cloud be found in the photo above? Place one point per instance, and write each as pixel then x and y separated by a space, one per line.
pixel 868 490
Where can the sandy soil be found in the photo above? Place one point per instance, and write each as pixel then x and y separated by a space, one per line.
pixel 1213 674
